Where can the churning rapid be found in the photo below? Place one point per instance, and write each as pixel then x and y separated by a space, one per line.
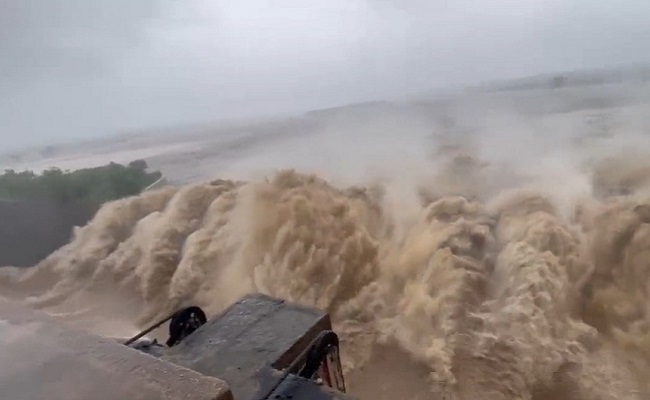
pixel 475 287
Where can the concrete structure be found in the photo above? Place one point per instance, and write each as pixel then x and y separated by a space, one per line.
pixel 42 359
pixel 32 229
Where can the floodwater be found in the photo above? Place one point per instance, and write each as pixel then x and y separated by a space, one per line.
pixel 490 245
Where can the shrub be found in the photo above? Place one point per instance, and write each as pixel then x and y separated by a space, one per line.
pixel 90 185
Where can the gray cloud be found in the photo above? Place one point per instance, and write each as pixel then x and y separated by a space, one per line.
pixel 40 38
pixel 78 68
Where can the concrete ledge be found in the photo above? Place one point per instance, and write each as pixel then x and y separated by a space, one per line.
pixel 162 181
pixel 42 359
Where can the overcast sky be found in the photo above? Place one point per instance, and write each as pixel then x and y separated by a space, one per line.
pixel 84 68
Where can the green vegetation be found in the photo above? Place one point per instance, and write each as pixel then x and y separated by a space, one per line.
pixel 90 185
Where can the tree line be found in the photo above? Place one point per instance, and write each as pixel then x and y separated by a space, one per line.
pixel 89 185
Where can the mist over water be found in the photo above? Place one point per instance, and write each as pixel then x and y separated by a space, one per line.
pixel 469 249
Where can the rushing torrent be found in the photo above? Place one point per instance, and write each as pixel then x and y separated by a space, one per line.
pixel 465 294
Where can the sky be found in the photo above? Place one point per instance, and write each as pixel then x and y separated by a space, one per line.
pixel 74 69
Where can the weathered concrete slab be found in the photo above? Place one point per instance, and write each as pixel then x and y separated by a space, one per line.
pixel 41 359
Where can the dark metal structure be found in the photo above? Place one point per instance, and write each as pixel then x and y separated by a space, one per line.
pixel 264 348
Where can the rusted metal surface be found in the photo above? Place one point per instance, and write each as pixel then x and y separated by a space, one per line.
pixel 41 359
